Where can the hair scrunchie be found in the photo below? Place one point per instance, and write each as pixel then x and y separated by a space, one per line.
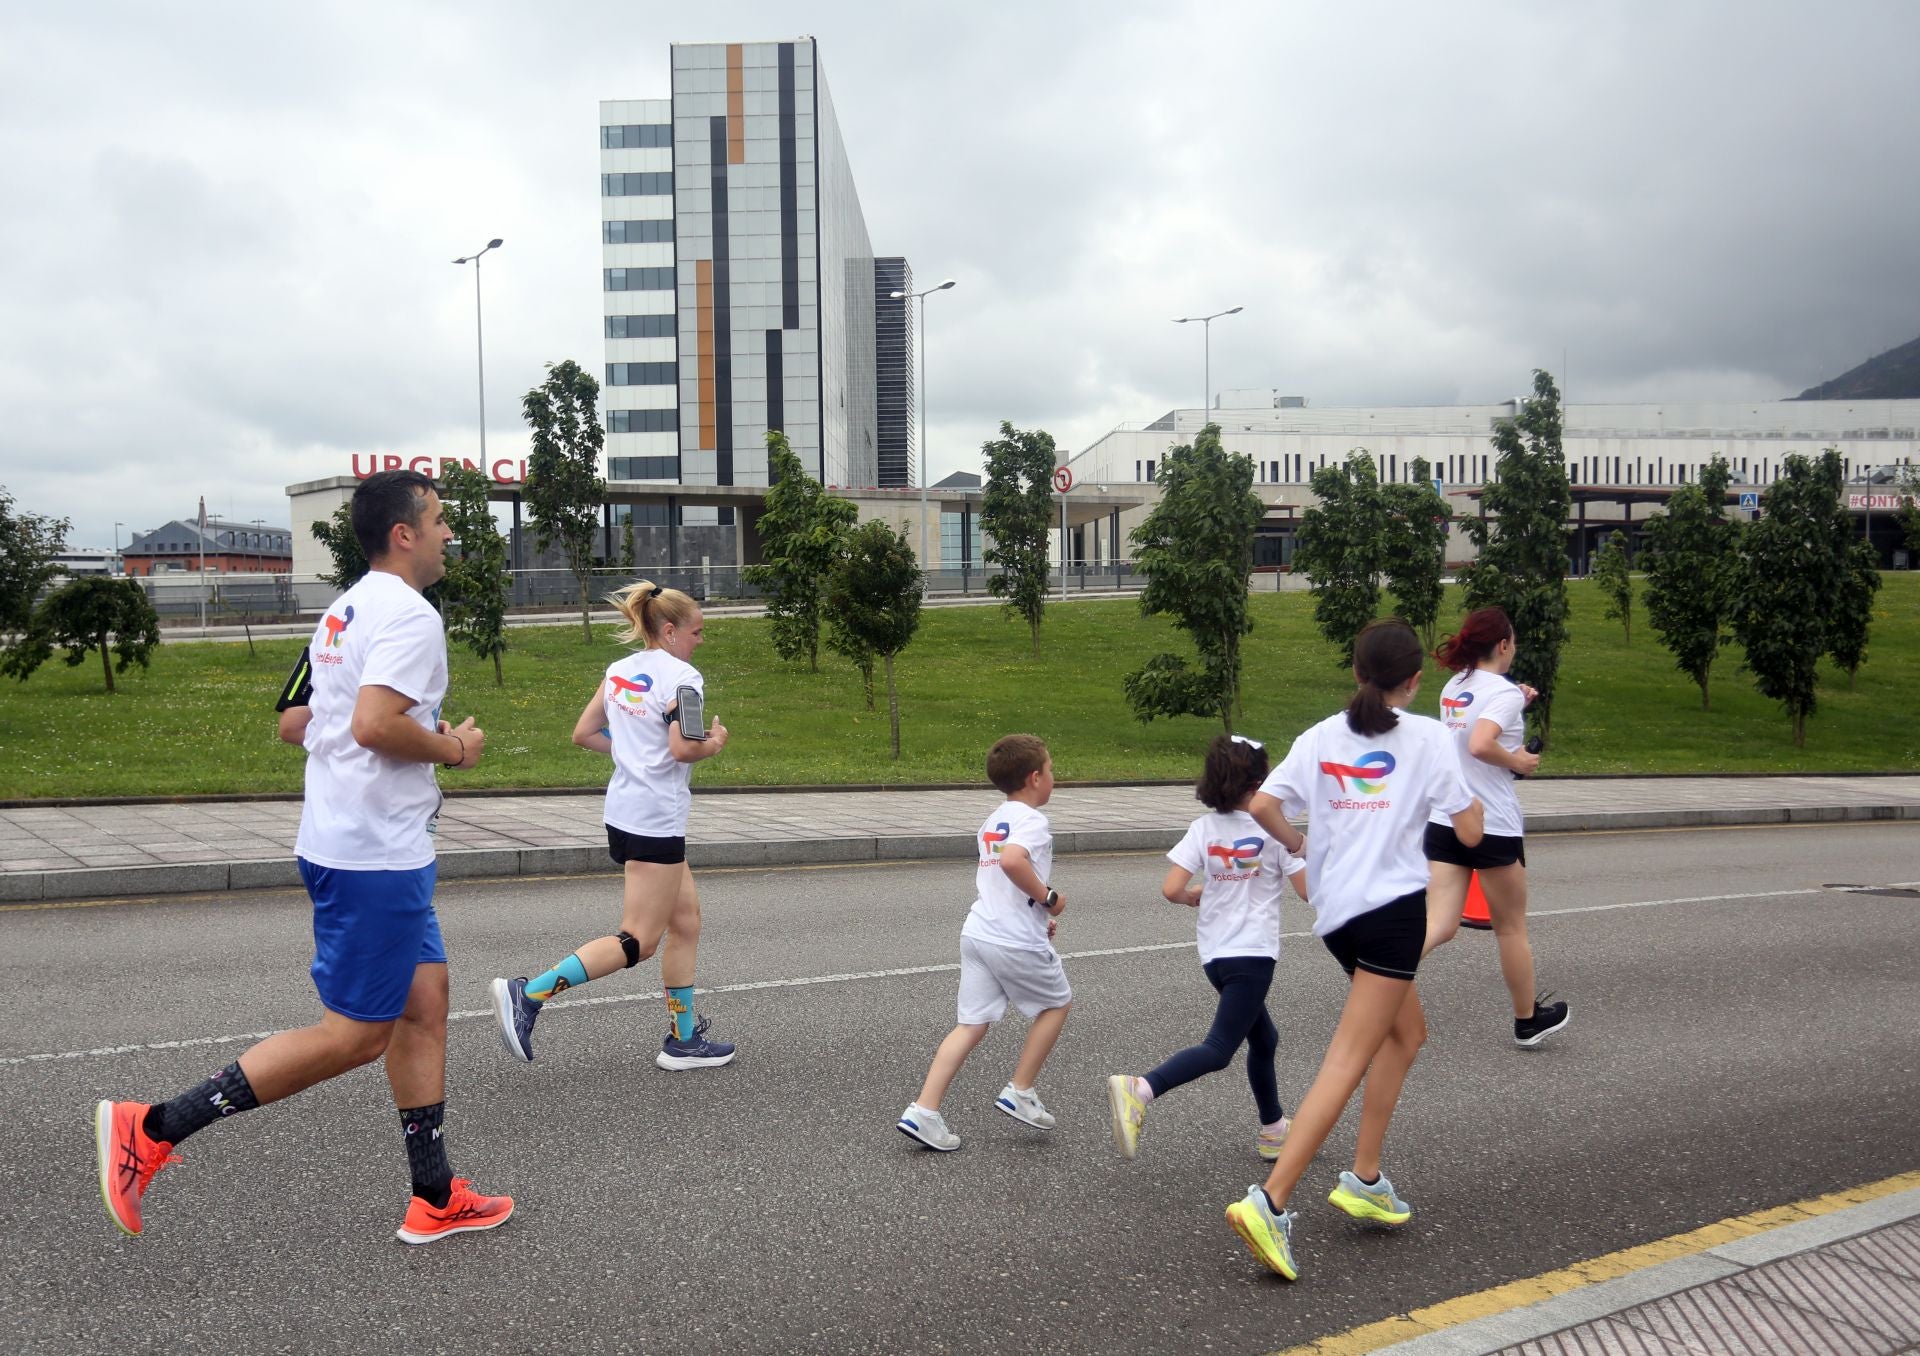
pixel 657 591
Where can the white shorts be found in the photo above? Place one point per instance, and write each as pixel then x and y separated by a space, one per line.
pixel 992 976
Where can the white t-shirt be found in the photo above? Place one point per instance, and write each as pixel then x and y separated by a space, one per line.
pixel 1466 700
pixel 363 810
pixel 1368 797
pixel 649 794
pixel 1246 871
pixel 1002 915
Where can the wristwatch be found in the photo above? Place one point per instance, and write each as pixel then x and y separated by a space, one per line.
pixel 1053 898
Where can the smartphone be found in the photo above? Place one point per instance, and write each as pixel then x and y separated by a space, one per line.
pixel 692 713
pixel 1533 745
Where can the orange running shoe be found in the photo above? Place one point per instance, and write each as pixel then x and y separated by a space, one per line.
pixel 128 1160
pixel 465 1211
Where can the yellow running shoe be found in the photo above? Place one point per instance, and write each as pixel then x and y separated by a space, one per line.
pixel 1128 1114
pixel 1377 1203
pixel 1269 1237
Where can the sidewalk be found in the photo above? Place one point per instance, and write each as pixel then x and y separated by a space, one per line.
pixel 89 851
pixel 1845 1282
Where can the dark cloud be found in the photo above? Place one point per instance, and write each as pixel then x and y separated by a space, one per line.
pixel 225 256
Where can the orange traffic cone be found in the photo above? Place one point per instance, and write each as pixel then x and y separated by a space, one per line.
pixel 1476 915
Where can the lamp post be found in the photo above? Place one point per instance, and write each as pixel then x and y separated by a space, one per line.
pixel 479 345
pixel 118 567
pixel 1206 325
pixel 921 297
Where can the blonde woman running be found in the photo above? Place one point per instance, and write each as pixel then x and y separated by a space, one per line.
pixel 632 715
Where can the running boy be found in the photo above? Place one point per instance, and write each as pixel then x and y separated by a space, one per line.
pixel 1243 870
pixel 1006 951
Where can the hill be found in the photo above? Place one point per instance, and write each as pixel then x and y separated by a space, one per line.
pixel 1894 375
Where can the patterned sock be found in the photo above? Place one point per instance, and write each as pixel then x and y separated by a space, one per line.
pixel 226 1093
pixel 568 974
pixel 680 1004
pixel 427 1154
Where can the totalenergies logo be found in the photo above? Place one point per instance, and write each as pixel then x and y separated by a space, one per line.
pixel 995 838
pixel 336 626
pixel 1453 706
pixel 1369 774
pixel 1237 855
pixel 634 691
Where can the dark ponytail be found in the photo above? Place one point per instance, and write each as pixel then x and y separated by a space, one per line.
pixel 1479 635
pixel 1386 654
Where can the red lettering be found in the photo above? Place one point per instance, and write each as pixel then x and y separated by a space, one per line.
pixel 502 476
pixel 373 464
pixel 393 461
pixel 421 464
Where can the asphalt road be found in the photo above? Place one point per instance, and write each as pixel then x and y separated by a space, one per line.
pixel 1743 1039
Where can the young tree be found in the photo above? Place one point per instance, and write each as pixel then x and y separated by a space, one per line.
pixel 1522 541
pixel 1341 549
pixel 80 616
pixel 849 646
pixel 1692 560
pixel 1415 556
pixel 336 534
pixel 564 488
pixel 1196 551
pixel 1016 516
pixel 1788 584
pixel 626 545
pixel 873 594
pixel 802 533
pixel 477 580
pixel 1908 484
pixel 1850 616
pixel 1611 574
pixel 28 544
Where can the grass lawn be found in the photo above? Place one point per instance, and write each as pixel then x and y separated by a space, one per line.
pixel 201 719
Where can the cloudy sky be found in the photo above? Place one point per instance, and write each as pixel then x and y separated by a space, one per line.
pixel 226 232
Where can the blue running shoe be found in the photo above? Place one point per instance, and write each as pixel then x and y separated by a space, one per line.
pixel 1377 1204
pixel 698 1053
pixel 1269 1237
pixel 514 1011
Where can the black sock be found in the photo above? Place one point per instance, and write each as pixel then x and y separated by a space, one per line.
pixel 427 1154
pixel 226 1093
pixel 1365 1183
pixel 1270 1205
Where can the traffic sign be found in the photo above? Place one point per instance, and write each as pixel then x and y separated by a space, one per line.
pixel 1749 499
pixel 1062 479
pixel 1439 486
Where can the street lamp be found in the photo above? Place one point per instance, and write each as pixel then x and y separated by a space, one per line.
pixel 921 297
pixel 116 548
pixel 1206 325
pixel 479 346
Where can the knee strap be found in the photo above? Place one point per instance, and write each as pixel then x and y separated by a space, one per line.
pixel 630 945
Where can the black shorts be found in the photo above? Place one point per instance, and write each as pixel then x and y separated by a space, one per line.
pixel 626 847
pixel 1494 851
pixel 1384 941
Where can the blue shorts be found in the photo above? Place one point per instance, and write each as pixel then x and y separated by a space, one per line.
pixel 370 929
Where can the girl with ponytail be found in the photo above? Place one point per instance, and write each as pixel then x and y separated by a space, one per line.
pixel 1367 778
pixel 1485 712
pixel 632 716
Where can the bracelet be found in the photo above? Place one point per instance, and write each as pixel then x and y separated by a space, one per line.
pixel 463 750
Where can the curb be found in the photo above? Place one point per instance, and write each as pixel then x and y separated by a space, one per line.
pixel 26 887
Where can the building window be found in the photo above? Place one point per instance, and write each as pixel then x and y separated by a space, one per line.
pixel 636 185
pixel 639 279
pixel 956 550
pixel 1149 469
pixel 640 135
pixel 640 327
pixel 1136 470
pixel 643 421
pixel 643 468
pixel 642 374
pixel 636 232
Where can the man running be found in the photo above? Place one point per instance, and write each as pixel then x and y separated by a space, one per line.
pixel 365 850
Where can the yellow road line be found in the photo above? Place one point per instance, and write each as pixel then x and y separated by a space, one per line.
pixel 1517 1294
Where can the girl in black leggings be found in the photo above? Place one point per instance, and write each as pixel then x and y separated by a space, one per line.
pixel 1242 870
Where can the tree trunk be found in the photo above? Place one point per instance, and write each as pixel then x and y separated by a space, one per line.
pixel 1799 729
pixel 586 619
pixel 1703 694
pixel 813 654
pixel 106 666
pixel 499 679
pixel 893 708
pixel 1034 626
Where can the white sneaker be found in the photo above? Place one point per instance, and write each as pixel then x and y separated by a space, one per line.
pixel 929 1127
pixel 1024 1107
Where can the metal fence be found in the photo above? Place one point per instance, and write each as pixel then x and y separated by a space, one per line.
pixel 268 597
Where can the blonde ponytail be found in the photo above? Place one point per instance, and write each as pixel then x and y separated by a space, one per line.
pixel 648 607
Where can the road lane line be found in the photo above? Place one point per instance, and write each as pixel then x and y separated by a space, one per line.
pixel 850 977
pixel 1500 1299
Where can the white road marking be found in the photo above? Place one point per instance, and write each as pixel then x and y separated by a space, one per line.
pixel 852 977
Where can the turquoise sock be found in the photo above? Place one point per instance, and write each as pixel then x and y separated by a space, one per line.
pixel 568 974
pixel 680 1004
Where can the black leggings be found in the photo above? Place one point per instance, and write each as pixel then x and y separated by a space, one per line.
pixel 1242 982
